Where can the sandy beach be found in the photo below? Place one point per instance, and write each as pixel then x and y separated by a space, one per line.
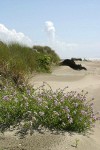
pixel 61 77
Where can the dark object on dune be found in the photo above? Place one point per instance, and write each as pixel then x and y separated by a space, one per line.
pixel 72 64
pixel 76 59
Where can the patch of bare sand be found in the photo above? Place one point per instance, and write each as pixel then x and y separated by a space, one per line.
pixel 76 80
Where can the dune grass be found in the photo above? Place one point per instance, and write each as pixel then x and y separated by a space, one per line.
pixel 18 60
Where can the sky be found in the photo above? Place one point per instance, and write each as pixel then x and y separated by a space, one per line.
pixel 70 27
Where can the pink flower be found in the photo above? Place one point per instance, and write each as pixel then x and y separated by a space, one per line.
pixel 70 120
pixel 83 112
pixel 41 113
pixel 55 102
pixel 67 109
pixel 6 97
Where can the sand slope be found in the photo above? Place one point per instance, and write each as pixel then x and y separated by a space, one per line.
pixel 76 80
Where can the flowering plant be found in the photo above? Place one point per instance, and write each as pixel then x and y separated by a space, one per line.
pixel 58 109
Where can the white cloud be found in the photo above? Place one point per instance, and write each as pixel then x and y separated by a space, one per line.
pixel 50 30
pixel 7 35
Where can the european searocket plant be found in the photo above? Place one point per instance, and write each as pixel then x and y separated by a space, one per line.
pixel 59 110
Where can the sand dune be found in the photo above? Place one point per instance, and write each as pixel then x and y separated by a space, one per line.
pixel 76 80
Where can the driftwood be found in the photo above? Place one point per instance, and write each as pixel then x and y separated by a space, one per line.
pixel 72 64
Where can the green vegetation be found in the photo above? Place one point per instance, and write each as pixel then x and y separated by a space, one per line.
pixel 54 58
pixel 25 107
pixel 43 107
pixel 17 61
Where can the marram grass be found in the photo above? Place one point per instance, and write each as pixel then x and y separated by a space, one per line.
pixel 17 60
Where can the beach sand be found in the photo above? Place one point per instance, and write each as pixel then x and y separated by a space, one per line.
pixel 61 77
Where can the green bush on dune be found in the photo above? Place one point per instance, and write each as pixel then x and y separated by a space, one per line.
pixel 17 60
pixel 28 108
pixel 54 58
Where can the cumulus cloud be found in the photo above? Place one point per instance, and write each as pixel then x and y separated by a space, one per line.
pixel 50 30
pixel 7 35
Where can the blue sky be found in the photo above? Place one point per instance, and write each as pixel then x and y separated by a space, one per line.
pixel 70 27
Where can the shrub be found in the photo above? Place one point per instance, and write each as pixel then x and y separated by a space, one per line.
pixel 45 50
pixel 54 110
pixel 18 60
pixel 43 63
